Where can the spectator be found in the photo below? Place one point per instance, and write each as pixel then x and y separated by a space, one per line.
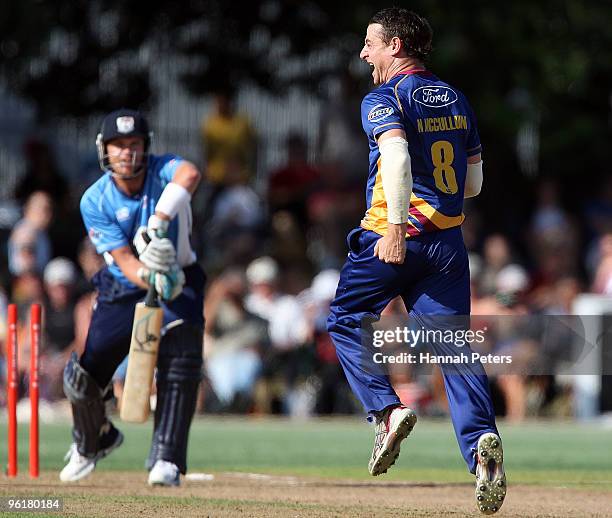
pixel 90 262
pixel 288 244
pixel 287 360
pixel 59 327
pixel 598 211
pixel 291 184
pixel 511 284
pixel 333 395
pixel 507 336
pixel 41 174
pixel 549 221
pixel 60 280
pixel 553 243
pixel 566 291
pixel 29 248
pixel 27 289
pixel 234 338
pixel 239 207
pixel 496 255
pixel 287 325
pixel 229 143
pixel 602 282
pixel 236 223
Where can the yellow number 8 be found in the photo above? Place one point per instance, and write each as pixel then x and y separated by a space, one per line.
pixel 442 156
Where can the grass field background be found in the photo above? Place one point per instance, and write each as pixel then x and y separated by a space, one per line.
pixel 548 453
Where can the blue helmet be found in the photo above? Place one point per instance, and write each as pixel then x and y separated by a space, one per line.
pixel 119 124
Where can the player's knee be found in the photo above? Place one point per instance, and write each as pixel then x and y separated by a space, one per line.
pixel 349 322
pixel 180 357
pixel 79 385
pixel 184 340
pixel 180 370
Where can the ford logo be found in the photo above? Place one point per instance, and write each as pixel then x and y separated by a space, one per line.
pixel 435 96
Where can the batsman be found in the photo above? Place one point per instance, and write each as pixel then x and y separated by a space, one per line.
pixel 138 216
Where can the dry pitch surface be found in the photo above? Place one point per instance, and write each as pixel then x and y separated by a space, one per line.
pixel 276 467
pixel 259 495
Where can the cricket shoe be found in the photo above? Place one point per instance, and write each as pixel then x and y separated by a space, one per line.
pixel 490 476
pixel 164 473
pixel 79 466
pixel 393 425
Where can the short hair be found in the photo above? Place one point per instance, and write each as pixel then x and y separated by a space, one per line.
pixel 413 30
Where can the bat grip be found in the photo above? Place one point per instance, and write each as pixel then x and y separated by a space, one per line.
pixel 151 298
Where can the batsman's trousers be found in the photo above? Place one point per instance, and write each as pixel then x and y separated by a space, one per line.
pixel 110 330
pixel 433 280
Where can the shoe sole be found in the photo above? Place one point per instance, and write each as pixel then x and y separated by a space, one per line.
pixel 79 475
pixel 490 490
pixel 90 467
pixel 391 449
pixel 161 483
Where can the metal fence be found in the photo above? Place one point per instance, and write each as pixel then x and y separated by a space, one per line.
pixel 176 119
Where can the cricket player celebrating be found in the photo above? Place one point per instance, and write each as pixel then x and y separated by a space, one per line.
pixel 425 158
pixel 138 216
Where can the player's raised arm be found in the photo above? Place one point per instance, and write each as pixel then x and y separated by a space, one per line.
pixel 175 197
pixel 187 176
pixel 155 252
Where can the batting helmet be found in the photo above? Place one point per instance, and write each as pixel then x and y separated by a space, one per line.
pixel 120 124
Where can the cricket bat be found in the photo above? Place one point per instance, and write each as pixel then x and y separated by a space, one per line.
pixel 146 334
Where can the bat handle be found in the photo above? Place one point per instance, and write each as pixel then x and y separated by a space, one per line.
pixel 151 298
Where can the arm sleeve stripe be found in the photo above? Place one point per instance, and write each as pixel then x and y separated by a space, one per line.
pixel 375 131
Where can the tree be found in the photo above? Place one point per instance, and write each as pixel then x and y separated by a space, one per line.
pixel 518 62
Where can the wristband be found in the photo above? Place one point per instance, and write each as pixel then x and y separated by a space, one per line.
pixel 173 198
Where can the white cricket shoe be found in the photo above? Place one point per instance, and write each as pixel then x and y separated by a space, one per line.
pixel 79 466
pixel 164 473
pixel 490 475
pixel 392 427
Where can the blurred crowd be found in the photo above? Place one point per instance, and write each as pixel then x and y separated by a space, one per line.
pixel 272 243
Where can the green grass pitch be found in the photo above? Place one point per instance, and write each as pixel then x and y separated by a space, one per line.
pixel 545 452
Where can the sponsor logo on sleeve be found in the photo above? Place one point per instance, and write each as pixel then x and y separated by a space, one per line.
pixel 95 235
pixel 122 214
pixel 379 112
pixel 435 96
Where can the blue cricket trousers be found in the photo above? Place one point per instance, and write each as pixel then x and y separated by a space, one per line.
pixel 433 280
pixel 110 330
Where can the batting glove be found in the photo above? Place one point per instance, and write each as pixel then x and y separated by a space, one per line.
pixel 155 253
pixel 154 249
pixel 157 227
pixel 168 284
